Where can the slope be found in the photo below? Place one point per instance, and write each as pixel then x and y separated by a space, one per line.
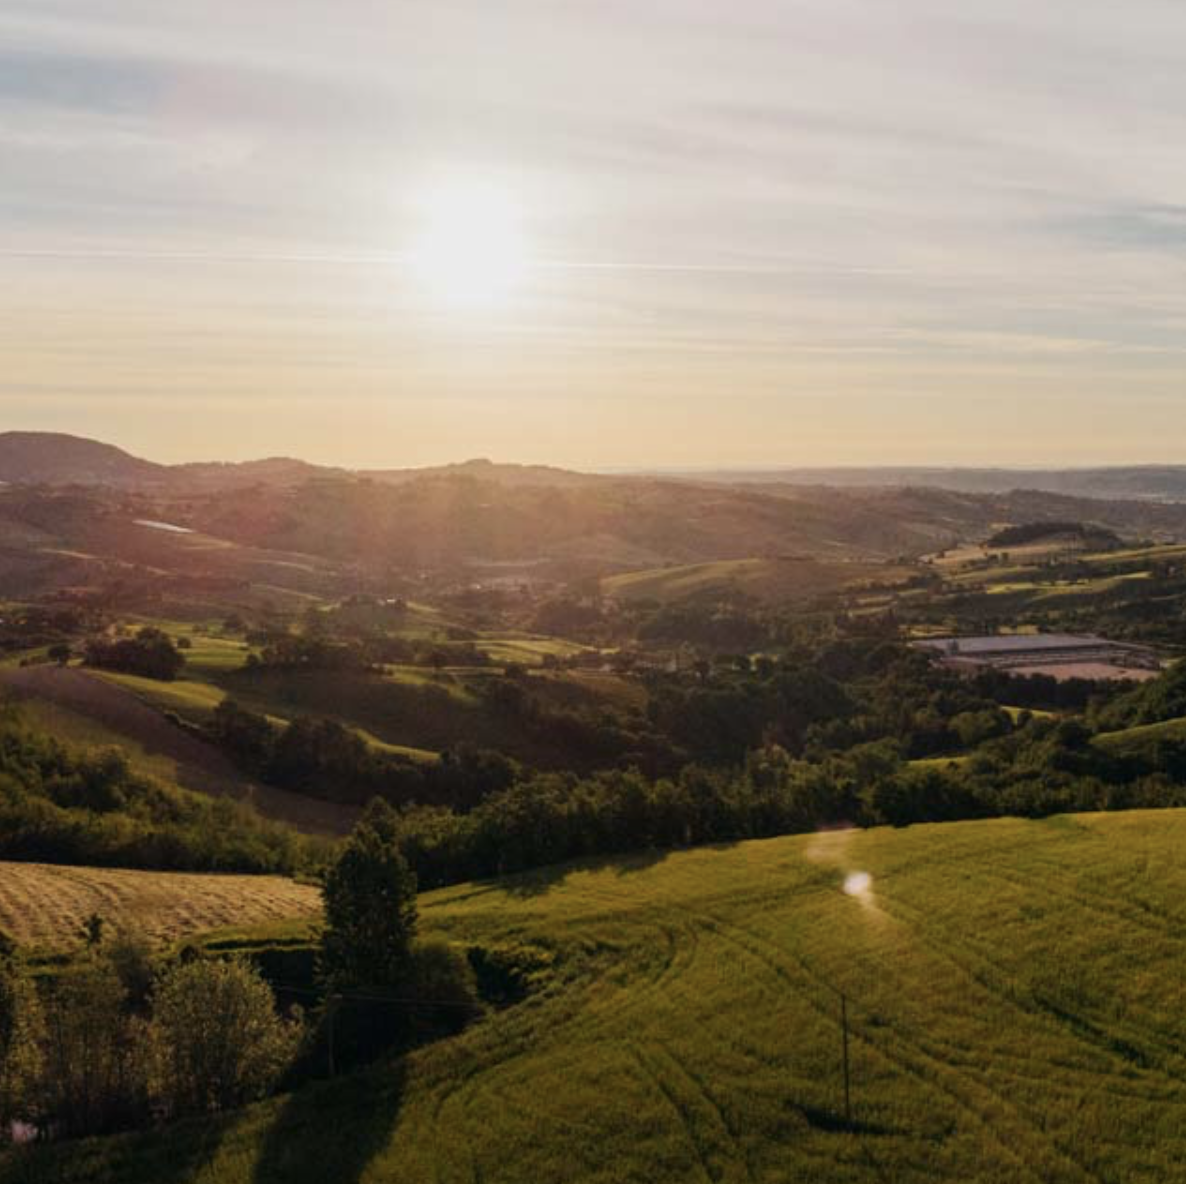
pixel 1014 992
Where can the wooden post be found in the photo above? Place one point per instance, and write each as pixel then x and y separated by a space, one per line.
pixel 331 1011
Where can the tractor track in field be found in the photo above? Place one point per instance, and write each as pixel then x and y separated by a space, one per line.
pixel 913 1057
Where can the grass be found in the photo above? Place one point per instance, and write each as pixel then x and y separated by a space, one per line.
pixel 1015 994
pixel 773 579
pixel 81 731
pixel 1138 739
pixel 188 697
pixel 44 905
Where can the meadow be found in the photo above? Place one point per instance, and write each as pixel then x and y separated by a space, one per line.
pixel 45 905
pixel 1014 992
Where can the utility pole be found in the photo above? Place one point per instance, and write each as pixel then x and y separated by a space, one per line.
pixel 331 1010
pixel 847 1083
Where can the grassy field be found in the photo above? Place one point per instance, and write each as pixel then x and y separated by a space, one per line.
pixel 45 905
pixel 1015 992
pixel 1139 739
pixel 774 579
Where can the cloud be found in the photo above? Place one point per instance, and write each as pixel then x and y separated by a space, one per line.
pixel 782 194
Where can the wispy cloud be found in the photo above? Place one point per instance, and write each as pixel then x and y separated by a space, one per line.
pixel 734 208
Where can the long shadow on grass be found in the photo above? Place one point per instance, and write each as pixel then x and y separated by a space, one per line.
pixel 542 880
pixel 329 1132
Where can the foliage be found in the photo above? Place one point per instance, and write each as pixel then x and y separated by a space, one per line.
pixel 150 654
pixel 93 1078
pixel 370 907
pixel 215 1038
pixel 63 806
pixel 21 1026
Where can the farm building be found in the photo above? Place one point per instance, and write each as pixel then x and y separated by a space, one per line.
pixel 1060 655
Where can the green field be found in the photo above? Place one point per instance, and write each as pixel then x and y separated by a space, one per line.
pixel 774 579
pixel 1133 740
pixel 1015 993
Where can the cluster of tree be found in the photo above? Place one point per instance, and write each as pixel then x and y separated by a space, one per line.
pixel 120 1037
pixel 150 654
pixel 111 1040
pixel 62 806
pixel 713 626
pixel 294 653
pixel 24 627
pixel 1148 703
pixel 589 736
pixel 829 699
pixel 384 989
pixel 322 758
pixel 1046 766
pixel 1034 532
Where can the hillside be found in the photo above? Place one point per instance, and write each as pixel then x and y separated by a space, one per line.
pixel 52 458
pixel 792 578
pixel 307 530
pixel 46 904
pixel 1014 994
pixel 1152 482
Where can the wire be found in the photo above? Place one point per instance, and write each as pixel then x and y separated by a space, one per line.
pixel 354 997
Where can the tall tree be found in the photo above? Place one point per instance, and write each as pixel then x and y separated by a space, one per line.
pixel 370 906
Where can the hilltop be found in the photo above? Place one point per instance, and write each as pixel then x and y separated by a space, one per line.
pixel 1013 992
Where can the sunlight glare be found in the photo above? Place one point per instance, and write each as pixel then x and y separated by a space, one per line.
pixel 470 248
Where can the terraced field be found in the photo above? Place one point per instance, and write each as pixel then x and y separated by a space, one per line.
pixel 1016 993
pixel 46 904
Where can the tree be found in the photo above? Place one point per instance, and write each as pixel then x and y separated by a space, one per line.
pixel 370 906
pixel 93 1079
pixel 20 1033
pixel 215 1038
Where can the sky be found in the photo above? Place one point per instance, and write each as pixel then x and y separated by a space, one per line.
pixel 609 233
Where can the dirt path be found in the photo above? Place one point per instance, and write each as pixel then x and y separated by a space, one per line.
pixel 199 766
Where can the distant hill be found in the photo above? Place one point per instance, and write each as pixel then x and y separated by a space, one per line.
pixel 54 458
pixel 51 458
pixel 1146 482
pixel 488 470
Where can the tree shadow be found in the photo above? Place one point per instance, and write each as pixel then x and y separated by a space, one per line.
pixel 332 1130
pixel 541 881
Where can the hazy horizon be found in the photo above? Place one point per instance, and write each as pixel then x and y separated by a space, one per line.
pixel 810 235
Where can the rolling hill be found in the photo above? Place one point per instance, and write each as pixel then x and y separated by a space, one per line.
pixel 97 515
pixel 52 458
pixel 1014 994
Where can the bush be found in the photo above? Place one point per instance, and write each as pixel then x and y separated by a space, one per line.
pixel 215 1038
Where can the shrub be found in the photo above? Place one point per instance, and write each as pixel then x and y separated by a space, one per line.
pixel 216 1040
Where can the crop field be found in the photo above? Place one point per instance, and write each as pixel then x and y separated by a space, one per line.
pixel 767 578
pixel 1015 994
pixel 45 905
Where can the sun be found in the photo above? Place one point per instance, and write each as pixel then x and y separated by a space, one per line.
pixel 469 249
